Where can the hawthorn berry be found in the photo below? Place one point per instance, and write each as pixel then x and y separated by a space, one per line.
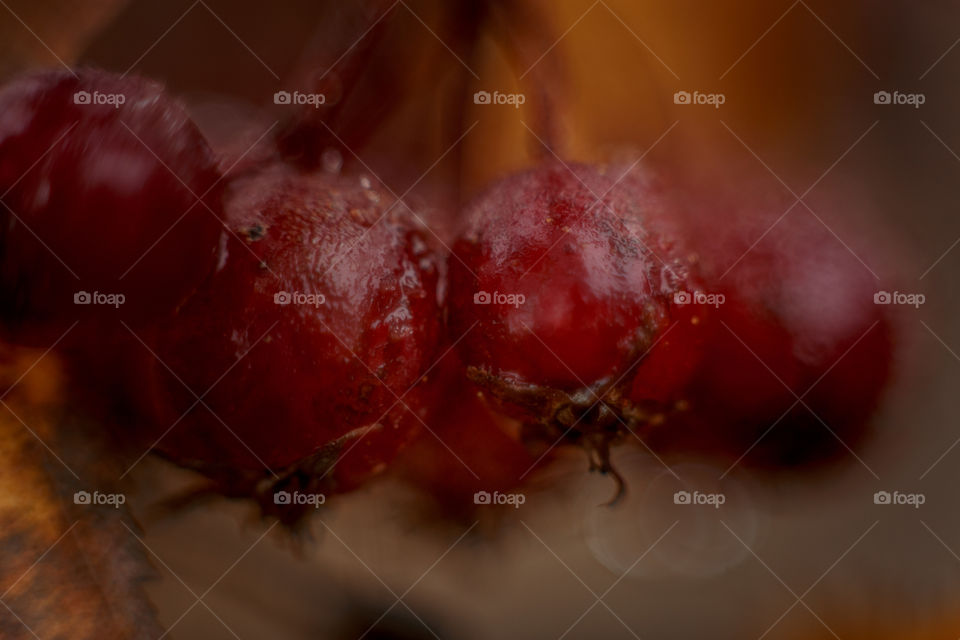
pixel 561 282
pixel 109 205
pixel 306 344
pixel 797 353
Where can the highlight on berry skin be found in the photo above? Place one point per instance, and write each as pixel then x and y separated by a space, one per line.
pixel 411 319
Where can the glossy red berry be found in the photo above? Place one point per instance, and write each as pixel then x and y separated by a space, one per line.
pixel 100 181
pixel 560 283
pixel 307 343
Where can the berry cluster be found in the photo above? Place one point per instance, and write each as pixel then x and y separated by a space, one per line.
pixel 281 325
pixel 644 317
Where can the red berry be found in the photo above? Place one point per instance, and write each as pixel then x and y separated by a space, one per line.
pixel 100 177
pixel 567 280
pixel 798 315
pixel 322 314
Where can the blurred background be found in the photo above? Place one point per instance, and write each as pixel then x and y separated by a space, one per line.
pixel 806 555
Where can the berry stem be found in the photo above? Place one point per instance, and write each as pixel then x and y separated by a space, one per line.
pixel 526 38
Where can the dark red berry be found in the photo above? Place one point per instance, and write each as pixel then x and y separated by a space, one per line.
pixel 565 280
pixel 100 177
pixel 798 319
pixel 322 315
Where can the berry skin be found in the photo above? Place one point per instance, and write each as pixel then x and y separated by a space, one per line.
pixel 664 374
pixel 597 281
pixel 323 310
pixel 798 314
pixel 86 206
